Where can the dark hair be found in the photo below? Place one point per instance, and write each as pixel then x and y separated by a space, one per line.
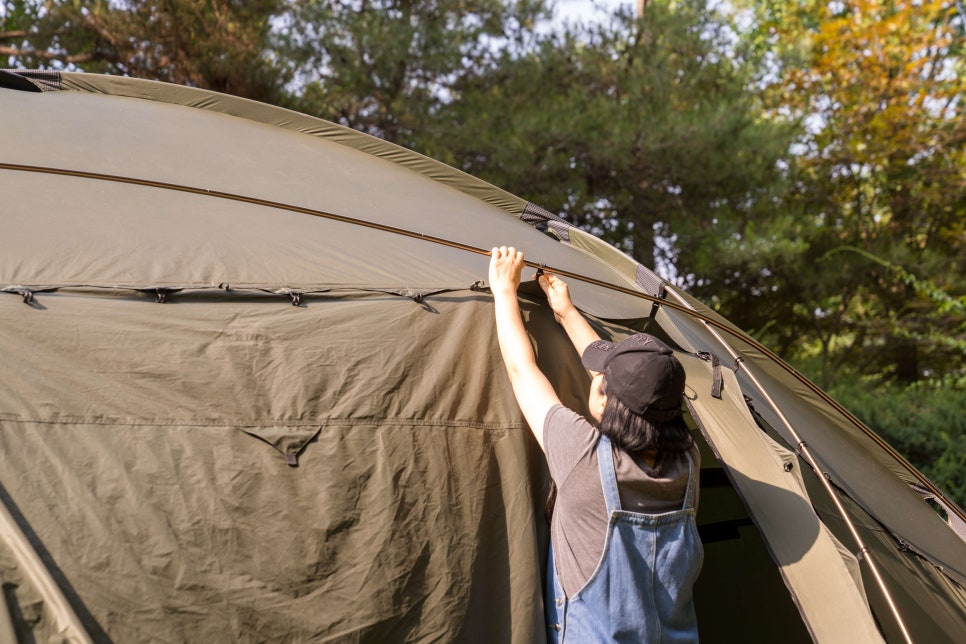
pixel 633 433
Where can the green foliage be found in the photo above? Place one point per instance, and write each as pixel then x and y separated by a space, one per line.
pixel 639 129
pixel 945 303
pixel 386 66
pixel 216 44
pixel 879 170
pixel 926 423
pixel 800 169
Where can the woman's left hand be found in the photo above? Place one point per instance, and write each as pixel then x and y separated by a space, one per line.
pixel 506 266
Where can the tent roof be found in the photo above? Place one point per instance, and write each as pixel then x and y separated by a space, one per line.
pixel 115 187
pixel 238 174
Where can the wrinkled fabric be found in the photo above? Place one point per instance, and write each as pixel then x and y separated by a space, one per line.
pixel 228 467
pixel 153 468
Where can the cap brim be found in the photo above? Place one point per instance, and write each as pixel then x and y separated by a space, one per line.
pixel 596 354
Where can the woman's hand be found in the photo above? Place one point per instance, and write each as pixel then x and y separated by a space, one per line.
pixel 531 388
pixel 558 295
pixel 506 266
pixel 579 331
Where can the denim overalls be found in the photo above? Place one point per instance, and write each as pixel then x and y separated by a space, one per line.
pixel 641 590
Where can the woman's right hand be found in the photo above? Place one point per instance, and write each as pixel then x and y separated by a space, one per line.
pixel 558 294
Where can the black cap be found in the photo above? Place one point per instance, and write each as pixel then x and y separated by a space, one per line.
pixel 642 372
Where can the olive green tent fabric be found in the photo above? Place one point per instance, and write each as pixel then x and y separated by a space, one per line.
pixel 186 456
pixel 152 467
pixel 850 455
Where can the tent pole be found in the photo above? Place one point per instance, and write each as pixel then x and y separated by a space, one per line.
pixel 864 553
pixel 683 308
pixel 715 325
pixel 63 614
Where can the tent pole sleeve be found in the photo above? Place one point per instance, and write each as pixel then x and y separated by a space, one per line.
pixel 683 308
pixel 63 614
pixel 803 449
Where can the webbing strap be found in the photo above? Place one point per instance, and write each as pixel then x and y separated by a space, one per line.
pixel 656 304
pixel 717 382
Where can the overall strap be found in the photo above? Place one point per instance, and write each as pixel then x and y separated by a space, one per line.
pixel 689 493
pixel 608 478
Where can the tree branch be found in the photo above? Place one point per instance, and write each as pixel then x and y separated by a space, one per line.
pixel 44 55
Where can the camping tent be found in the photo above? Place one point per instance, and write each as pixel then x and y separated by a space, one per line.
pixel 251 392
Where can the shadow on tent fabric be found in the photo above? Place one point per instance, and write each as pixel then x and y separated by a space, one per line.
pixel 25 632
pixel 740 594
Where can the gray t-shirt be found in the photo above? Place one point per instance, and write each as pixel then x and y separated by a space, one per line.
pixel 580 519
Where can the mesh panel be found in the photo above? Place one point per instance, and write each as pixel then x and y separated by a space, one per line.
pixel 30 80
pixel 534 214
pixel 957 524
pixel 542 219
pixel 560 229
pixel 648 280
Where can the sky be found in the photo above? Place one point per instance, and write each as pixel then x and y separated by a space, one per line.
pixel 584 10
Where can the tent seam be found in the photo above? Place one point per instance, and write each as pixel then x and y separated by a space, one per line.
pixel 323 422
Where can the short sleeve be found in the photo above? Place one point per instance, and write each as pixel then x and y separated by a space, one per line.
pixel 567 438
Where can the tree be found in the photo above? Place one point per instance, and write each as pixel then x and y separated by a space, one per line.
pixel 639 129
pixel 804 176
pixel 385 66
pixel 879 182
pixel 216 44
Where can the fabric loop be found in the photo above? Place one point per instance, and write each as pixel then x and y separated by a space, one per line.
pixel 661 293
pixel 717 383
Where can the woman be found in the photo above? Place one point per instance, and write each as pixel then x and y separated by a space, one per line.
pixel 624 546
